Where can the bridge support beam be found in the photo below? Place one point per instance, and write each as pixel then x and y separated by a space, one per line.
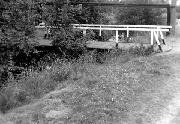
pixel 152 38
pixel 117 38
pixel 171 17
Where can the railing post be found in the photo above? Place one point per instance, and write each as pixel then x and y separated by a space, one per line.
pixel 100 34
pixel 152 38
pixel 127 34
pixel 162 37
pixel 157 32
pixel 157 40
pixel 117 38
pixel 84 32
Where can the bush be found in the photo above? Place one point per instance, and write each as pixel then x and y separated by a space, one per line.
pixel 70 42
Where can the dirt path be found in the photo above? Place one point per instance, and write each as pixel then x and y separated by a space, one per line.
pixel 171 115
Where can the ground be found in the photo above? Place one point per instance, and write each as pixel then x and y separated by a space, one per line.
pixel 158 105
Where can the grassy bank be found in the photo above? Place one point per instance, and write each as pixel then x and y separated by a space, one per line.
pixel 124 89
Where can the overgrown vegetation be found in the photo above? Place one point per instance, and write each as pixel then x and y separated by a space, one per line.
pixel 34 84
pixel 116 91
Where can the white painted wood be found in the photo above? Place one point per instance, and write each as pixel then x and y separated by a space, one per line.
pixel 125 26
pixel 156 37
pixel 114 26
pixel 100 31
pixel 127 31
pixel 152 38
pixel 117 36
pixel 130 29
pixel 156 30
pixel 84 32
pixel 161 34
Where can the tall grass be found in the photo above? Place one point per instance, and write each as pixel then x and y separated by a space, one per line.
pixel 102 93
pixel 33 84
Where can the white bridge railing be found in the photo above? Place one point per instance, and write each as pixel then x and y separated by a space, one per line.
pixel 156 30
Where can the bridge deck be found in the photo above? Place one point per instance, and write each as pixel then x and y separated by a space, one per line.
pixel 111 45
pixel 97 44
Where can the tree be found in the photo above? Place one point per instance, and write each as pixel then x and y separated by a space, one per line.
pixel 19 29
pixel 137 15
pixel 61 14
pixel 16 30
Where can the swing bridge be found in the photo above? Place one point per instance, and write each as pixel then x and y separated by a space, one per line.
pixel 156 34
pixel 156 31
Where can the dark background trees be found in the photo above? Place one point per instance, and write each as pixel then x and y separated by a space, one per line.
pixel 141 15
pixel 16 34
pixel 17 31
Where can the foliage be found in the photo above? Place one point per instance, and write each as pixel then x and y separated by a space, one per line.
pixel 17 34
pixel 139 16
pixel 17 28
pixel 68 40
pixel 61 16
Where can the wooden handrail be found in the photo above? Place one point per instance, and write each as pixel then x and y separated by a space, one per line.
pixel 129 26
pixel 114 26
pixel 120 29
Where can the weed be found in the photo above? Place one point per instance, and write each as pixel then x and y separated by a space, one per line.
pixel 111 92
pixel 141 51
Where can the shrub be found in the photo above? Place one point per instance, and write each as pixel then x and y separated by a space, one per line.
pixel 70 42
